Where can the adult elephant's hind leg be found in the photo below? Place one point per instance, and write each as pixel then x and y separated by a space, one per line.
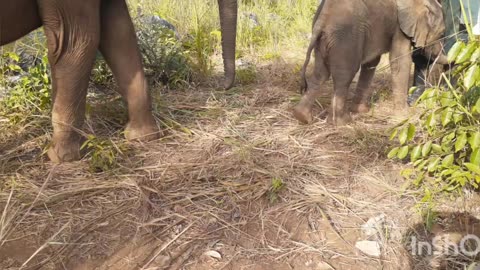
pixel 72 29
pixel 364 92
pixel 118 45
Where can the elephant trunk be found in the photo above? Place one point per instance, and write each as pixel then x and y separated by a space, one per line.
pixel 228 24
pixel 435 51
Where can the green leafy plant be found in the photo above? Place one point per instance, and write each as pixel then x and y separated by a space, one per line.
pixel 101 73
pixel 103 154
pixel 246 75
pixel 164 56
pixel 276 186
pixel 443 143
pixel 28 95
pixel 201 45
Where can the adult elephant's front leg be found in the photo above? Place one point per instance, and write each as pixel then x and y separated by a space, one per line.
pixel 72 29
pixel 400 65
pixel 118 45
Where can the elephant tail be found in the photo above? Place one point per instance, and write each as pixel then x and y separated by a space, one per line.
pixel 316 32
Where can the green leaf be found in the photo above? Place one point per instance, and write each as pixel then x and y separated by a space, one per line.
pixel 420 166
pixel 432 166
pixel 471 76
pixel 393 152
pixel 415 153
pixel 451 188
pixel 461 141
pixel 426 148
pixel 412 90
pixel 447 99
pixel 415 164
pixel 431 122
pixel 457 117
pixel 446 172
pixel 394 134
pixel 403 152
pixel 447 116
pixel 448 161
pixel 430 98
pixel 475 55
pixel 403 136
pixel 476 108
pixel 455 51
pixel 448 138
pixel 474 140
pixel 411 132
pixel 472 167
pixel 419 179
pixel 466 53
pixel 427 94
pixel 475 157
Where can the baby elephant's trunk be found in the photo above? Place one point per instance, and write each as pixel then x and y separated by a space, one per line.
pixel 436 53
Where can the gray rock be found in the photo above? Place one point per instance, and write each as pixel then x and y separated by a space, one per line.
pixel 252 19
pixel 156 20
pixel 28 60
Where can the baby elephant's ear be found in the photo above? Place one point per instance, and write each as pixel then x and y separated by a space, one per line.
pixel 420 19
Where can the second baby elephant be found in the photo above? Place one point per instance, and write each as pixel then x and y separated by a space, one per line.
pixel 352 35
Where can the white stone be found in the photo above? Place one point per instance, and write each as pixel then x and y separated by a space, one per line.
pixel 371 248
pixel 374 225
pixel 213 254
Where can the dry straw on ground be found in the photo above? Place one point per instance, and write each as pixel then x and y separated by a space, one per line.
pixel 236 183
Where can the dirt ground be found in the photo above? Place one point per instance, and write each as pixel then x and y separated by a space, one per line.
pixel 235 183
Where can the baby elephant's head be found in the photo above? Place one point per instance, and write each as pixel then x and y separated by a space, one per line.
pixel 421 20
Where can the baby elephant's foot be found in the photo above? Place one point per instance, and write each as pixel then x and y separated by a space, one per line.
pixel 360 108
pixel 145 131
pixel 303 114
pixel 64 150
pixel 340 119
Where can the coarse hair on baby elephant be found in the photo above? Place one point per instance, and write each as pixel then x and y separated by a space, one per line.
pixel 352 35
pixel 75 31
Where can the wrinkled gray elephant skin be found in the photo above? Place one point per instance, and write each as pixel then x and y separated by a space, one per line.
pixel 75 31
pixel 352 35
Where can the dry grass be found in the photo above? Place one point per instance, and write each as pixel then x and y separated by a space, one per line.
pixel 235 173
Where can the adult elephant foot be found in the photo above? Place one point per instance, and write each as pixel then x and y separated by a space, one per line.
pixel 401 113
pixel 64 148
pixel 360 108
pixel 303 114
pixel 145 131
pixel 340 119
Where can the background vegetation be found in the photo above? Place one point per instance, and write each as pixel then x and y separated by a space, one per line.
pixel 225 151
pixel 187 54
pixel 442 143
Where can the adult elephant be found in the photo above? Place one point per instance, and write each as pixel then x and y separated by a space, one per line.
pixel 75 30
pixel 351 35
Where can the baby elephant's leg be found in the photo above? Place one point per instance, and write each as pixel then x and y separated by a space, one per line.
pixel 364 92
pixel 303 111
pixel 345 63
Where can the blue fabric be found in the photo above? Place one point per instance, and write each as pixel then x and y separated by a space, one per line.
pixel 454 20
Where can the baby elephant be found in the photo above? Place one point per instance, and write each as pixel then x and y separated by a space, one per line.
pixel 348 35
